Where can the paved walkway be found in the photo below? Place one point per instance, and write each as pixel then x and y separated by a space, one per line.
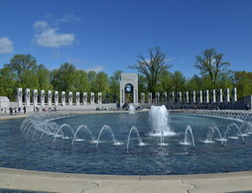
pixel 82 183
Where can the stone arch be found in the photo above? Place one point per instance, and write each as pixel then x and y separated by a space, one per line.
pixel 129 84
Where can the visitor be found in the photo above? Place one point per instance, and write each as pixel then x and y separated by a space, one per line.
pixel 15 110
pixel 11 110
pixel 24 109
pixel 118 105
pixel 125 106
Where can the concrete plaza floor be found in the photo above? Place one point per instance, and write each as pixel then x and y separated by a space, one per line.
pixel 28 181
pixel 80 183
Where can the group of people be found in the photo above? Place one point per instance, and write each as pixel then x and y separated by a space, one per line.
pixel 16 110
pixel 126 106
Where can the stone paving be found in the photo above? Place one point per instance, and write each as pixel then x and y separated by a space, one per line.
pixel 23 181
pixel 80 183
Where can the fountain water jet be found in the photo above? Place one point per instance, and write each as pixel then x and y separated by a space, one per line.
pixel 132 109
pixel 159 121
pixel 86 129
pixel 138 136
pixel 185 142
pixel 211 133
pixel 60 129
pixel 106 127
pixel 228 131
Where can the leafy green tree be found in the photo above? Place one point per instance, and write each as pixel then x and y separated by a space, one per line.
pixel 100 83
pixel 7 83
pixel 142 84
pixel 114 85
pixel 64 78
pixel 195 83
pixel 43 78
pixel 152 67
pixel 24 69
pixel 243 82
pixel 178 81
pixel 81 81
pixel 166 81
pixel 91 74
pixel 211 64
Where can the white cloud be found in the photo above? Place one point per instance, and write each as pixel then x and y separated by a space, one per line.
pixel 67 19
pixel 6 46
pixel 47 36
pixel 96 68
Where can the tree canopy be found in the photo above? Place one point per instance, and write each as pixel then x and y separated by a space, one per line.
pixel 152 67
pixel 211 64
pixel 154 76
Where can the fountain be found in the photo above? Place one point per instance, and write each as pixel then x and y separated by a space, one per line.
pixel 159 120
pixel 138 137
pixel 132 109
pixel 186 142
pixel 154 143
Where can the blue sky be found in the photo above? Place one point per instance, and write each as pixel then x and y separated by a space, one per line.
pixel 108 35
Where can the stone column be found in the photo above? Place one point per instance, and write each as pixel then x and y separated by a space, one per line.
pixel 20 96
pixel 77 98
pixel 194 97
pixel 234 95
pixel 35 97
pixel 213 96
pixel 92 98
pixel 227 98
pixel 56 98
pixel 157 95
pixel 165 97
pixel 27 97
pixel 70 98
pixel 187 100
pixel 99 98
pixel 220 99
pixel 179 95
pixel 150 98
pixel 206 98
pixel 200 101
pixel 49 96
pixel 42 98
pixel 63 98
pixel 84 98
pixel 173 97
pixel 142 97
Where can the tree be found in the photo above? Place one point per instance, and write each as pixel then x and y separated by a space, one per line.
pixel 43 78
pixel 7 83
pixel 210 64
pixel 64 78
pixel 178 81
pixel 243 82
pixel 195 83
pixel 101 83
pixel 24 69
pixel 152 68
pixel 166 82
pixel 81 81
pixel 114 85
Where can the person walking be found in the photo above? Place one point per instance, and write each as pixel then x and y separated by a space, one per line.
pixel 24 109
pixel 118 105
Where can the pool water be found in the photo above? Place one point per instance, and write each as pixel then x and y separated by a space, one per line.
pixel 29 151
